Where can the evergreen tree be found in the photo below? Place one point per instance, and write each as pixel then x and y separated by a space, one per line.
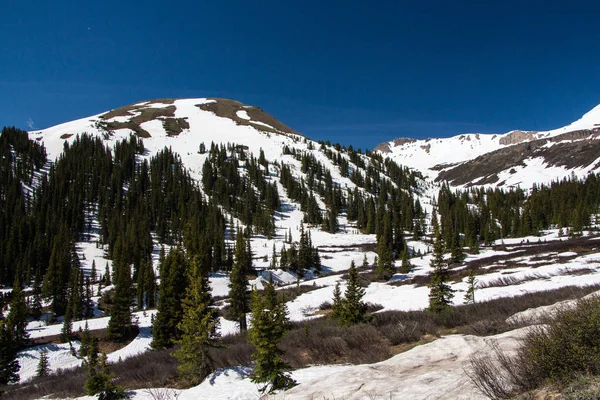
pixel 385 265
pixel 336 307
pixel 472 286
pixel 9 365
pixel 36 305
pixel 198 327
pixel 17 316
pixel 94 273
pixel 406 266
pixel 440 292
pixel 457 254
pixel 239 299
pixel 173 273
pixel 107 280
pixel 43 369
pixel 66 332
pixel 119 324
pixel 353 310
pixel 269 326
pixel 99 379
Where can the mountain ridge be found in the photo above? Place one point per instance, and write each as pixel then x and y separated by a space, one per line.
pixel 459 159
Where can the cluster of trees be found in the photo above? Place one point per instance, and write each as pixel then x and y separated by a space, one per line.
pixel 484 215
pixel 298 259
pixel 187 317
pixel 248 196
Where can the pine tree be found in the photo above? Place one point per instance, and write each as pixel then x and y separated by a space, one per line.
pixel 43 368
pixel 173 284
pixel 239 300
pixel 119 324
pixel 273 264
pixel 107 280
pixel 99 378
pixel 269 326
pixel 9 365
pixel 66 332
pixel 94 273
pixel 17 316
pixel 336 307
pixel 406 266
pixel 472 286
pixel 353 310
pixel 198 327
pixel 36 305
pixel 457 254
pixel 440 292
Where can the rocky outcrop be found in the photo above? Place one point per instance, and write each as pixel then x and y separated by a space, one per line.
pixel 402 141
pixel 516 137
pixel 383 147
pixel 570 150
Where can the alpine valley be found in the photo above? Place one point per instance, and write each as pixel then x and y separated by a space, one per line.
pixel 202 249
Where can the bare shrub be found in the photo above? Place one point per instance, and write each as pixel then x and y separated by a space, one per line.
pixel 162 394
pixel 489 376
pixel 559 352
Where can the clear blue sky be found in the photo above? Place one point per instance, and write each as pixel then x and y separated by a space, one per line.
pixel 355 72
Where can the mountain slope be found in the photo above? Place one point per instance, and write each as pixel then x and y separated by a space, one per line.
pixel 517 158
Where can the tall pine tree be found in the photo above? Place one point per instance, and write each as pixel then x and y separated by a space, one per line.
pixel 269 326
pixel 198 327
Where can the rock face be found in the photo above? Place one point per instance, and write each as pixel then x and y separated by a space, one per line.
pixel 515 137
pixel 572 151
pixel 385 147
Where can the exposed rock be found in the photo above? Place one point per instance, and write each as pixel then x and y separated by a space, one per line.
pixel 383 147
pixel 427 148
pixel 517 137
pixel 569 150
pixel 402 141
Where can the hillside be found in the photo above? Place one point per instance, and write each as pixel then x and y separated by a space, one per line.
pixel 113 212
pixel 517 158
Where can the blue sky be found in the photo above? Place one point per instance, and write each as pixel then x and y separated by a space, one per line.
pixel 352 72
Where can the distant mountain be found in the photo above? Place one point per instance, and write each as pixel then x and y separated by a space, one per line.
pixel 516 158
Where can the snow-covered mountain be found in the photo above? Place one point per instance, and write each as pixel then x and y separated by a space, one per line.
pixel 514 158
pixel 182 124
pixel 509 267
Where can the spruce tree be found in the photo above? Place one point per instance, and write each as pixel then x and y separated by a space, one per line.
pixel 198 327
pixel 269 326
pixel 119 324
pixel 239 300
pixel 17 316
pixel 43 369
pixel 173 271
pixel 472 286
pixel 440 292
pixel 36 305
pixel 107 280
pixel 406 266
pixel 337 304
pixel 94 273
pixel 353 310
pixel 66 332
pixel 457 253
pixel 9 365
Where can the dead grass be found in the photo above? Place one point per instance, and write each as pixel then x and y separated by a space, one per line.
pixel 227 108
pixel 318 341
pixel 145 115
